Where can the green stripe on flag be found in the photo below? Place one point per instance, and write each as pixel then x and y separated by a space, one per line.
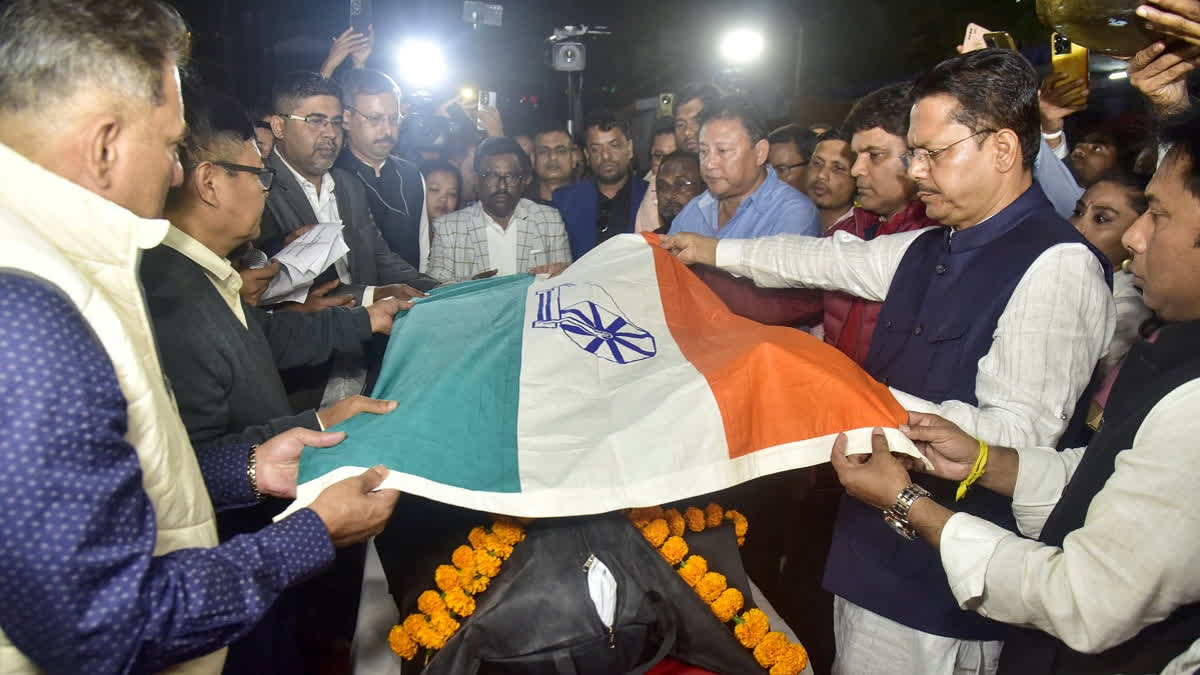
pixel 454 365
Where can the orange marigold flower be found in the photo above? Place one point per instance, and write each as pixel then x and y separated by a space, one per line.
pixel 498 548
pixel 477 585
pixel 656 532
pixel 402 643
pixel 693 569
pixel 714 515
pixel 459 602
pixel 446 577
pixel 466 576
pixel 486 564
pixel 694 518
pixel 414 623
pixel 728 604
pixel 740 524
pixel 791 661
pixel 741 541
pixel 429 638
pixel 751 628
pixel 770 649
pixel 508 532
pixel 476 537
pixel 675 522
pixel 430 602
pixel 444 624
pixel 674 549
pixel 710 586
pixel 463 557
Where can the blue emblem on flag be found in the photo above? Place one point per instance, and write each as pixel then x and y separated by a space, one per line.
pixel 599 329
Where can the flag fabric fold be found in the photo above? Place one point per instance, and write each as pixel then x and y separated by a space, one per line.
pixel 622 382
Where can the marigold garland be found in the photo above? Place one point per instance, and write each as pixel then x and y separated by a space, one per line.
pixel 664 530
pixel 471 572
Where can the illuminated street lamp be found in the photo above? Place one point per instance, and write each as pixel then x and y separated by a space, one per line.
pixel 742 46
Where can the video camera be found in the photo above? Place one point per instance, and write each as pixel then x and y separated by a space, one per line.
pixel 425 130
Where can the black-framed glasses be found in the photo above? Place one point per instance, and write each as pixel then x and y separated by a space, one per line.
pixel 785 168
pixel 378 120
pixel 316 122
pixel 678 186
pixel 266 175
pixel 493 178
pixel 921 155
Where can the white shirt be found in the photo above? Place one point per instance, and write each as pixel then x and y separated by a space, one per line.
pixel 325 208
pixel 502 245
pixel 1129 566
pixel 1057 324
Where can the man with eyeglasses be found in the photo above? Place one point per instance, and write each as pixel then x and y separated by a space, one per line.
pixel 677 183
pixel 223 355
pixel 502 233
pixel 791 147
pixel 395 189
pixel 995 322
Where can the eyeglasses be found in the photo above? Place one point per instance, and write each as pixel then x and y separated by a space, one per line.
pixel 677 186
pixel 316 121
pixel 378 120
pixel 266 175
pixel 494 179
pixel 785 168
pixel 918 155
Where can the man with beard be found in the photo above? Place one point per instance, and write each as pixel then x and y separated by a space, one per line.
pixel 829 183
pixel 791 148
pixel 745 198
pixel 502 233
pixel 552 165
pixel 995 322
pixel 690 103
pixel 395 191
pixel 677 183
pixel 606 204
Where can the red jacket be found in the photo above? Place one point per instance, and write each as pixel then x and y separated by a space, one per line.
pixel 850 320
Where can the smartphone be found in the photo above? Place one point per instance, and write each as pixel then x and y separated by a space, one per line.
pixel 360 15
pixel 488 99
pixel 666 104
pixel 999 40
pixel 1068 58
pixel 973 39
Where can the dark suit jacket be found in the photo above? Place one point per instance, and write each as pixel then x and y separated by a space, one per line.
pixel 578 203
pixel 370 260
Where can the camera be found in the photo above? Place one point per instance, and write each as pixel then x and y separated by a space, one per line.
pixel 568 57
pixel 424 130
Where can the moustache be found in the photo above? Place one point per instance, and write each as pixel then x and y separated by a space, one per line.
pixel 386 140
pixel 921 187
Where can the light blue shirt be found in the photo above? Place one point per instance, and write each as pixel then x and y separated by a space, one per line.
pixel 773 208
pixel 1056 180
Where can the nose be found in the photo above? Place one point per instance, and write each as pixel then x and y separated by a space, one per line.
pixel 1135 237
pixel 917 169
pixel 859 168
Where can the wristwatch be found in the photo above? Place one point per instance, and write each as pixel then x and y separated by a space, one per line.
pixel 896 515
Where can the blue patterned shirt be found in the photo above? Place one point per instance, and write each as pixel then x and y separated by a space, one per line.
pixel 81 591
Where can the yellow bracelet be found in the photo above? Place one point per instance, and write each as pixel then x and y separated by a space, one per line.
pixel 976 472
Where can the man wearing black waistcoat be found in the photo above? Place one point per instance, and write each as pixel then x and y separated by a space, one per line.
pixel 995 321
pixel 1108 570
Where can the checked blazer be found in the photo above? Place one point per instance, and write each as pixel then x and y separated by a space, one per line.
pixel 460 244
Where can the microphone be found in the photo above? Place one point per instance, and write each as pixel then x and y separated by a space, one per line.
pixel 255 259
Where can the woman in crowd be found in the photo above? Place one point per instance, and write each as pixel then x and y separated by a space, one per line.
pixel 443 185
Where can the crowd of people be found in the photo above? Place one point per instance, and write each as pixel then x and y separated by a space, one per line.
pixel 1032 299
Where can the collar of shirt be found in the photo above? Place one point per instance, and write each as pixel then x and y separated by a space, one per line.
pixel 72 218
pixel 763 193
pixel 224 278
pixel 318 199
pixel 1001 223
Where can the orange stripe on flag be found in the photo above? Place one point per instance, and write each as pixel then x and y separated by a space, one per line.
pixel 773 385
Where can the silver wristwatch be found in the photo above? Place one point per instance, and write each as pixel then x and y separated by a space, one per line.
pixel 896 515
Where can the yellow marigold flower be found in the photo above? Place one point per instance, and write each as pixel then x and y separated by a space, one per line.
pixel 402 643
pixel 477 585
pixel 486 564
pixel 466 576
pixel 463 556
pixel 446 577
pixel 710 586
pixel 714 515
pixel 740 524
pixel 751 628
pixel 444 624
pixel 476 537
pixel 460 603
pixel 508 532
pixel 656 532
pixel 430 602
pixel 498 548
pixel 428 638
pixel 694 518
pixel 674 549
pixel 770 649
pixel 793 660
pixel 675 522
pixel 728 604
pixel 693 569
pixel 741 541
pixel 413 623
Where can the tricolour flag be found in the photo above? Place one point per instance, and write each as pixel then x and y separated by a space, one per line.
pixel 622 382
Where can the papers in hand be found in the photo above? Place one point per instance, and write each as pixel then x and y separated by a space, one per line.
pixel 303 260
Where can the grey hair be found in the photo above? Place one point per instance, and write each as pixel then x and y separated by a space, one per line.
pixel 52 49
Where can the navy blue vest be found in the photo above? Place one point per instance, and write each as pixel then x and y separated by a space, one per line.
pixel 936 324
pixel 396 197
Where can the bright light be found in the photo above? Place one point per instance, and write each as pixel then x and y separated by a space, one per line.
pixel 421 63
pixel 742 46
pixel 467 94
pixel 1119 75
